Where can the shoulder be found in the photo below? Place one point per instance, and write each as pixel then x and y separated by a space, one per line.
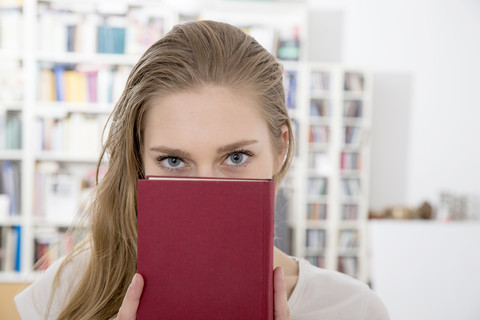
pixel 326 294
pixel 32 302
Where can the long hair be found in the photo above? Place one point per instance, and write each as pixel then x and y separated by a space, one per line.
pixel 190 56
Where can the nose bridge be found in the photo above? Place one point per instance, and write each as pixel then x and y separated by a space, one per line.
pixel 208 170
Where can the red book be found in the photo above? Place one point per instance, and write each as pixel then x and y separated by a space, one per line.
pixel 205 248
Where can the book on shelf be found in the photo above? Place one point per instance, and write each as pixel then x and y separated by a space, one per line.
pixel 290 85
pixel 316 260
pixel 318 134
pixel 50 244
pixel 319 81
pixel 10 185
pixel 315 239
pixel 10 248
pixel 93 31
pixel 349 211
pixel 348 265
pixel 74 134
pixel 350 161
pixel 351 187
pixel 81 83
pixel 348 240
pixel 353 81
pixel 320 108
pixel 62 191
pixel 10 130
pixel 353 108
pixel 317 186
pixel 226 227
pixel 352 135
pixel 316 211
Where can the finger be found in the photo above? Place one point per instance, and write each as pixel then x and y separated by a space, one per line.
pixel 128 310
pixel 280 304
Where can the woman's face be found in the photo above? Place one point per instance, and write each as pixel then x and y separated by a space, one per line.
pixel 209 132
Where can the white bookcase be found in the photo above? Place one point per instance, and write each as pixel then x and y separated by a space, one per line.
pixel 283 31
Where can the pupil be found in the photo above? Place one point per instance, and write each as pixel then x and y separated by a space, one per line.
pixel 237 157
pixel 174 162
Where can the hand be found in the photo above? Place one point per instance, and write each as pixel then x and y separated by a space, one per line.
pixel 280 305
pixel 128 310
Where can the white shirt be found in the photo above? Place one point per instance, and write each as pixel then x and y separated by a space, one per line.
pixel 319 294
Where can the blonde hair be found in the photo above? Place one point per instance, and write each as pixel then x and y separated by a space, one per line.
pixel 190 56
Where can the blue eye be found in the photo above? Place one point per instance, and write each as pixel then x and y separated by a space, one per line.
pixel 236 158
pixel 172 162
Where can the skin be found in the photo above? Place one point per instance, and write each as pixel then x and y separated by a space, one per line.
pixel 213 132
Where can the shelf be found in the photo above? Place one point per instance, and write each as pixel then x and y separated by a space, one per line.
pixel 317 224
pixel 320 94
pixel 354 95
pixel 10 221
pixel 10 55
pixel 62 157
pixel 317 199
pixel 11 105
pixel 353 122
pixel 318 146
pixel 62 108
pixel 324 121
pixel 97 58
pixel 17 277
pixel 15 155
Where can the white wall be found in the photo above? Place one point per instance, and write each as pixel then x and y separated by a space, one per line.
pixel 436 41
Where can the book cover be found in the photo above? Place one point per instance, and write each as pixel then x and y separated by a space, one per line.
pixel 205 248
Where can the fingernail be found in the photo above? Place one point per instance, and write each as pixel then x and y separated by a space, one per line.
pixel 133 280
pixel 281 272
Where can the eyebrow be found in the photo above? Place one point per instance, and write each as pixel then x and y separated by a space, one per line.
pixel 223 149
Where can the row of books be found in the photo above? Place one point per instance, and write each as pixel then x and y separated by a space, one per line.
pixel 290 85
pixel 319 162
pixel 11 80
pixel 61 192
pixel 319 81
pixel 11 19
pixel 319 211
pixel 82 83
pixel 10 248
pixel 316 260
pixel 317 186
pixel 348 240
pixel 353 108
pixel 63 31
pixel 284 43
pixel 10 188
pixel 352 135
pixel 350 161
pixel 353 82
pixel 349 212
pixel 316 211
pixel 318 134
pixel 76 133
pixel 320 108
pixel 316 239
pixel 348 265
pixel 351 187
pixel 50 244
pixel 10 130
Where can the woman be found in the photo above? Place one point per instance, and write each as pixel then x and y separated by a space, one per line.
pixel 205 100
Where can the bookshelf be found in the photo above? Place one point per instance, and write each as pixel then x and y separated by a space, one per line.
pixel 331 169
pixel 54 161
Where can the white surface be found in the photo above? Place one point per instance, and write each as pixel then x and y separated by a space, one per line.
pixel 427 270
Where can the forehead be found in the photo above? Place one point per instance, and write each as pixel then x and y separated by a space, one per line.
pixel 205 114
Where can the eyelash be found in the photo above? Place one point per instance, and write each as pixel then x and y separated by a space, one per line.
pixel 242 151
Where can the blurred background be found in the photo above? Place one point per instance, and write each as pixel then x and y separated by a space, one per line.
pixel 383 97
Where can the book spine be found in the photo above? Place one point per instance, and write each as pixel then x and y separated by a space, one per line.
pixel 269 210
